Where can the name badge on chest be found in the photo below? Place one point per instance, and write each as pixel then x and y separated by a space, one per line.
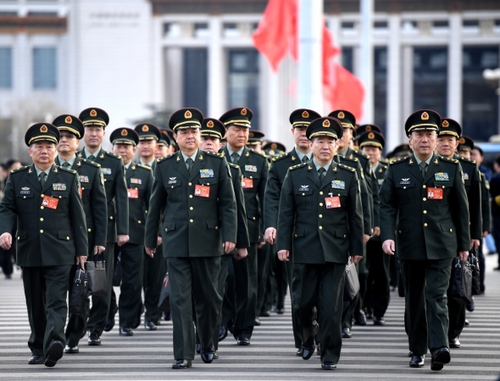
pixel 133 193
pixel 435 193
pixel 202 190
pixel 247 183
pixel 50 202
pixel 332 202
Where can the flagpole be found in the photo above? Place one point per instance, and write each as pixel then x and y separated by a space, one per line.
pixel 310 19
pixel 366 73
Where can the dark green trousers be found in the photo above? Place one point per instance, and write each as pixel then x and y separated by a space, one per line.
pixel 154 272
pixel 131 286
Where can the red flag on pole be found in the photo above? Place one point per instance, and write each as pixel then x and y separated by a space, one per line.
pixel 347 91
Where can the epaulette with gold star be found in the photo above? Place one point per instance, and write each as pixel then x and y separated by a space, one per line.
pixel 258 153
pixel 282 156
pixel 110 154
pixel 214 154
pixel 65 169
pixel 144 166
pixel 383 160
pixel 346 167
pixel 399 160
pixel 293 167
pixel 464 159
pixel 89 162
pixel 20 169
pixel 233 165
pixel 169 156
pixel 448 160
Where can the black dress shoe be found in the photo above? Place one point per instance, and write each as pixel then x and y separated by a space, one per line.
pixel 94 339
pixel 243 341
pixel 257 321
pixel 126 331
pixel 182 364
pixel 71 349
pixel 36 360
pixel 110 323
pixel 150 326
pixel 378 321
pixel 197 347
pixel 455 343
pixel 346 333
pixel 54 353
pixel 265 313
pixel 360 318
pixel 417 361
pixel 440 357
pixel 299 352
pixel 222 332
pixel 207 356
pixel 307 352
pixel 328 365
pixel 280 311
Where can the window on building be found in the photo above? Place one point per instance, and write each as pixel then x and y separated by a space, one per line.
pixel 243 81
pixel 380 88
pixel 479 99
pixel 347 59
pixel 430 79
pixel 44 68
pixel 195 81
pixel 5 68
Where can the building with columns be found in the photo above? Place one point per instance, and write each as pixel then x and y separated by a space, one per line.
pixel 132 56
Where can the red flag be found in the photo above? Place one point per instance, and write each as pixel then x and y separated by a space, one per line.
pixel 277 30
pixel 347 91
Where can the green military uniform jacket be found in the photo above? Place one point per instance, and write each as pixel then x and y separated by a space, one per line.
pixel 242 238
pixel 254 168
pixel 116 192
pixel 139 180
pixel 426 228
pixel 51 228
pixel 192 226
pixel 309 229
pixel 93 200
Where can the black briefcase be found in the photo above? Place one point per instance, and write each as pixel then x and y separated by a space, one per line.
pixel 351 284
pixel 461 281
pixel 78 296
pixel 164 301
pixel 476 277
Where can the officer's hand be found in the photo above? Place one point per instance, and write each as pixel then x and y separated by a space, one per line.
pixel 463 255
pixel 376 231
pixel 98 249
pixel 6 241
pixel 474 243
pixel 158 241
pixel 270 235
pixel 228 246
pixel 241 253
pixel 151 252
pixel 485 233
pixel 81 261
pixel 389 246
pixel 283 255
pixel 122 239
pixel 356 258
pixel 366 238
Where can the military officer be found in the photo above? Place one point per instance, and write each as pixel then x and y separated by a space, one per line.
pixel 51 237
pixel 192 191
pixel 163 145
pixel 372 144
pixel 447 144
pixel 154 267
pixel 424 205
pixel 300 120
pixel 139 181
pixel 320 216
pixel 254 169
pixel 94 202
pixel 211 132
pixel 95 121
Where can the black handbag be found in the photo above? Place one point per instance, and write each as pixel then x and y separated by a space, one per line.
pixel 164 301
pixel 476 280
pixel 461 281
pixel 79 293
pixel 97 276
pixel 351 284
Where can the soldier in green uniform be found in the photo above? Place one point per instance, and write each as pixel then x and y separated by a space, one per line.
pixel 300 119
pixel 51 236
pixel 154 268
pixel 447 144
pixel 139 181
pixel 377 295
pixel 424 206
pixel 94 203
pixel 192 191
pixel 95 121
pixel 254 169
pixel 320 224
pixel 163 145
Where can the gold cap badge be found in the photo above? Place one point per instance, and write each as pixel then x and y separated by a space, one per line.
pixel 43 129
pixel 371 135
pixel 124 132
pixel 210 124
pixel 461 141
pixel 368 128
pixel 145 128
pixel 305 114
pixel 188 114
pixel 445 123
pixel 68 119
pixel 424 116
pixel 244 111
pixel 274 145
pixel 93 113
pixel 326 123
pixel 341 115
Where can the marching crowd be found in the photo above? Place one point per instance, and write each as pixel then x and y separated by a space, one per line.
pixel 236 221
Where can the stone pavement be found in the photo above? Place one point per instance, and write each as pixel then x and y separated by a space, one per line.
pixel 373 353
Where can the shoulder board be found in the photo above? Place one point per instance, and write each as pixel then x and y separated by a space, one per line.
pixel 361 154
pixel 282 156
pixel 346 167
pixel 67 169
pixel 258 153
pixel 293 167
pixel 144 166
pixel 91 163
pixel 383 160
pixel 448 160
pixel 169 156
pixel 20 169
pixel 465 160
pixel 111 154
pixel 214 154
pixel 400 160
pixel 233 165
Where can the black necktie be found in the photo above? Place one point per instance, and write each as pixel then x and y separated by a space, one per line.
pixel 321 172
pixel 189 163
pixel 91 157
pixel 423 168
pixel 235 157
pixel 304 159
pixel 66 164
pixel 41 177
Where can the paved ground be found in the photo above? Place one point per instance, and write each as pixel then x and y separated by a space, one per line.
pixel 374 353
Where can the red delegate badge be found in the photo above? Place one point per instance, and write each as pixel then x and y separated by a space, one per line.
pixel 332 202
pixel 133 193
pixel 435 193
pixel 50 202
pixel 202 190
pixel 247 183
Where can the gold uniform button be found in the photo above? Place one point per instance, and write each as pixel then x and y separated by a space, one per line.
pixel 42 195
pixel 166 229
pixel 320 216
pixel 67 238
pixel 424 186
pixel 345 235
pixel 295 236
pixel 191 220
pixel 216 228
pixel 399 231
pixel 105 180
pixel 41 231
pixel 425 199
pixel 190 196
pixel 451 230
pixel 41 207
pixel 425 225
pixel 320 204
pixel 41 219
pixel 110 217
pixel 190 184
pixel 425 212
pixel 24 196
pixel 321 193
pixel 18 238
pixel 139 222
pixel 253 218
pixel 191 208
pixel 89 230
pixel 303 194
pixel 321 228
